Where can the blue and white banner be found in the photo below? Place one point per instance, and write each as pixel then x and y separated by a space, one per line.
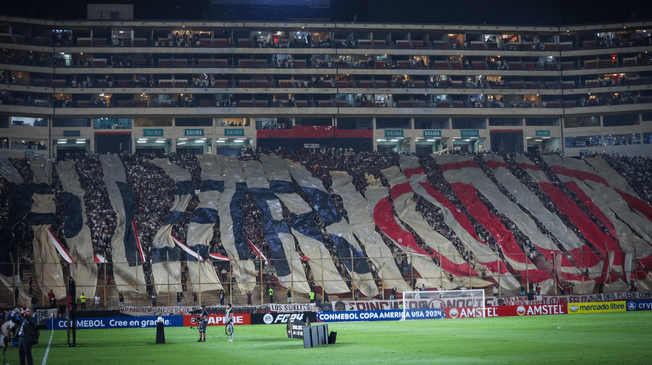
pixel 639 305
pixel 116 322
pixel 380 315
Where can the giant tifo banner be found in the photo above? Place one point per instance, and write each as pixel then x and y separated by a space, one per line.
pixel 217 319
pixel 506 311
pixel 115 322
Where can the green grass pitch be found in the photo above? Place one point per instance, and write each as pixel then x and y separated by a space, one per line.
pixel 620 338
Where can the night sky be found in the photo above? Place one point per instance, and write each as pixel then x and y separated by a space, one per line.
pixel 500 12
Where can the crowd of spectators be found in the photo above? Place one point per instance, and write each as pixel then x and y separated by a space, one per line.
pixel 637 171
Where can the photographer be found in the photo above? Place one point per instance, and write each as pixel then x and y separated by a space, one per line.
pixel 27 335
pixel 203 322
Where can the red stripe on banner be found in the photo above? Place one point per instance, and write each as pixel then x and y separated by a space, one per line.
pixel 593 208
pixel 140 248
pixel 585 257
pixel 460 217
pixel 495 164
pixel 256 250
pixel 384 219
pixel 415 171
pixel 638 204
pixel 458 165
pixel 592 233
pixel 400 189
pixel 526 166
pixel 217 256
pixel 534 276
pixel 62 251
pixel 493 266
pixel 467 195
pixel 187 249
pixel 581 175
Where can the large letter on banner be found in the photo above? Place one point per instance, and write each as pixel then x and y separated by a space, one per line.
pixel 20 199
pixel 401 190
pixel 46 259
pixel 348 250
pixel 321 263
pixel 463 228
pixel 633 231
pixel 166 265
pixel 200 229
pixel 468 196
pixel 127 260
pixel 590 230
pixel 281 243
pixel 232 224
pixel 359 210
pixel 585 258
pixel 77 233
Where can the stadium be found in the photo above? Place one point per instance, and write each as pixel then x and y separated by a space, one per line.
pixel 353 174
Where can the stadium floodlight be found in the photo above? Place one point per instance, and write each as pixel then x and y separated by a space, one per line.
pixel 431 304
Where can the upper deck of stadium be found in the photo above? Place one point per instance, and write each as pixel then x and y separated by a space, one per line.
pixel 218 87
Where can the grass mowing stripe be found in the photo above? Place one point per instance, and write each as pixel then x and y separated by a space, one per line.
pixel 588 338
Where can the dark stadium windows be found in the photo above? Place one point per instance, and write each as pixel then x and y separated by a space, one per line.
pixel 4 121
pixel 153 122
pixel 4 143
pixel 469 123
pixel 647 138
pixel 393 123
pixel 583 141
pixel 646 117
pixel 579 122
pixel 193 122
pixel 431 123
pixel 112 123
pixel 622 139
pixel 355 123
pixel 71 122
pixel 620 119
pixel 501 122
pixel 313 122
pixel 541 122
pixel 273 123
